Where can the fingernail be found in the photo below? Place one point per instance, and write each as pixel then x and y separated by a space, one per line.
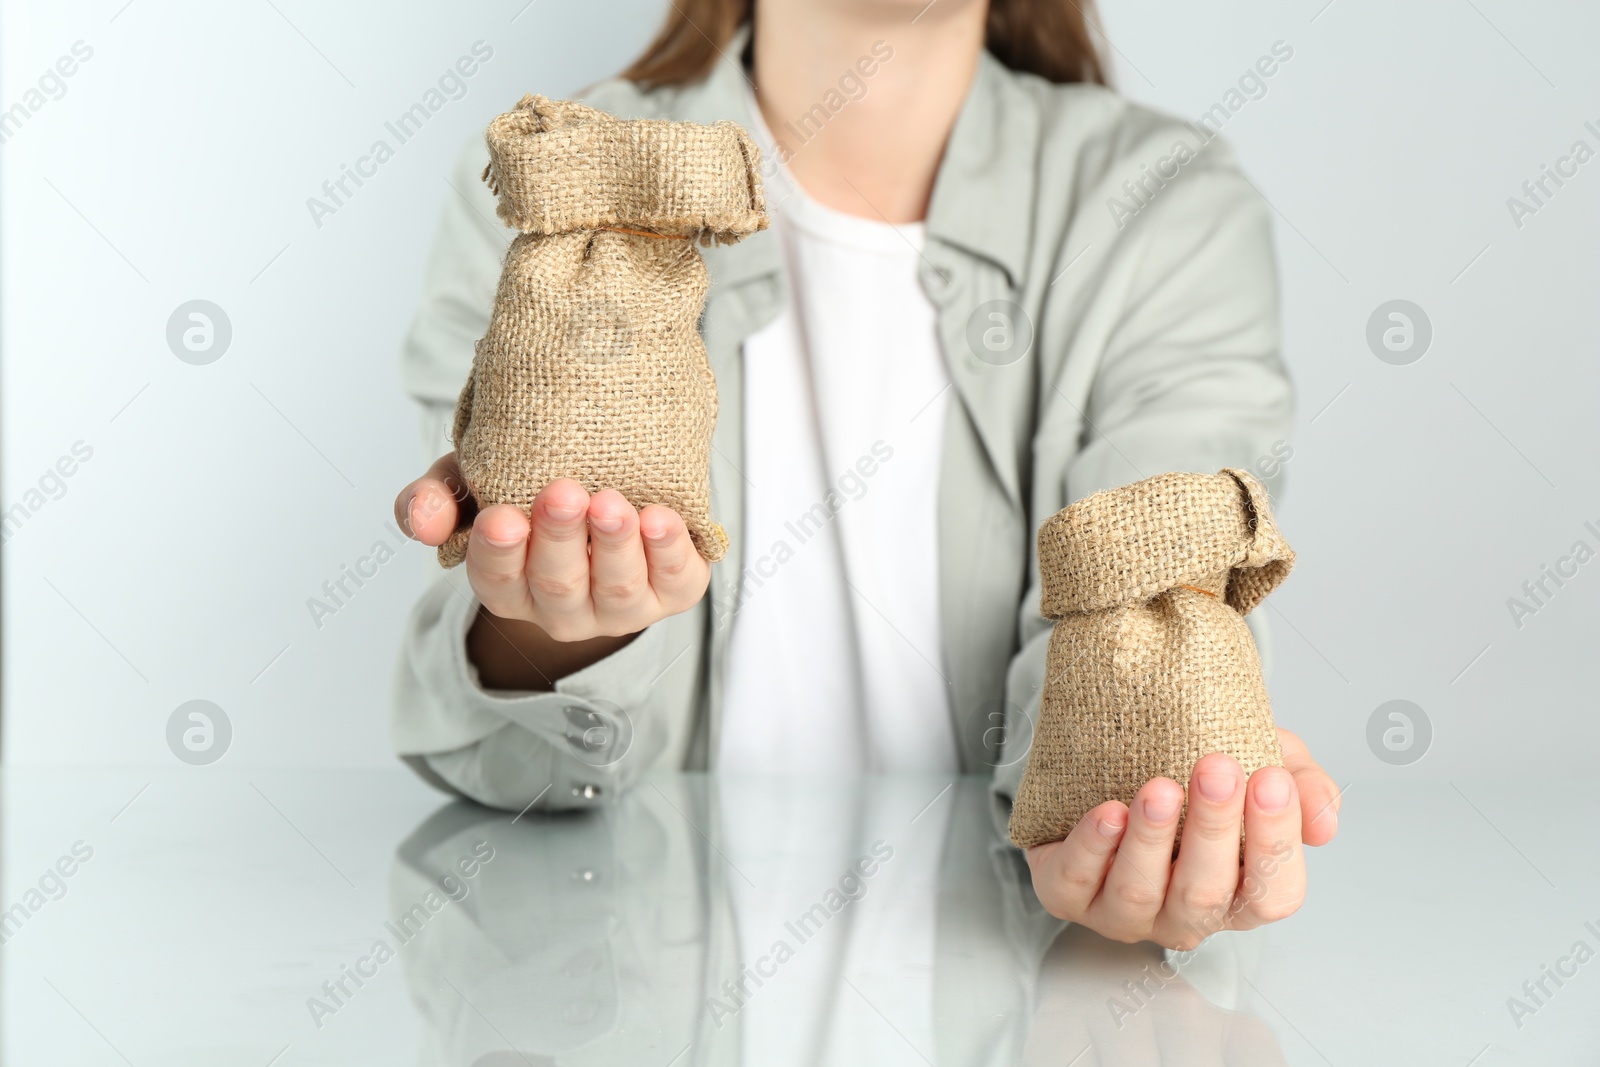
pixel 498 543
pixel 563 513
pixel 1272 795
pixel 1217 787
pixel 606 523
pixel 1160 807
pixel 411 515
pixel 1110 826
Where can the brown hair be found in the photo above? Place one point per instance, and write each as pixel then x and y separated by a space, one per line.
pixel 1049 38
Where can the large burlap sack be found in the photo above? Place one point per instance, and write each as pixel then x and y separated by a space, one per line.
pixel 1150 665
pixel 593 367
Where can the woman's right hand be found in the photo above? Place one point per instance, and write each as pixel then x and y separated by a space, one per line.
pixel 586 572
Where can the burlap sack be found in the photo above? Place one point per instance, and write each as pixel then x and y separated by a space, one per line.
pixel 593 367
pixel 1150 663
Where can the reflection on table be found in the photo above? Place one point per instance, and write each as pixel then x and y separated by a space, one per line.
pixel 697 921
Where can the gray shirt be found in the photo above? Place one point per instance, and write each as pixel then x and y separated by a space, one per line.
pixel 1135 264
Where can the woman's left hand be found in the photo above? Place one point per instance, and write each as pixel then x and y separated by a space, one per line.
pixel 1115 873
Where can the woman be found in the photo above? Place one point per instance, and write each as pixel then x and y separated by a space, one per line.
pixel 994 288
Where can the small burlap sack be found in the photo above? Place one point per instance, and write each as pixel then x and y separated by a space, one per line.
pixel 593 367
pixel 1150 664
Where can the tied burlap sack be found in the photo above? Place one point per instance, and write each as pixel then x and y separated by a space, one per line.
pixel 593 367
pixel 1150 663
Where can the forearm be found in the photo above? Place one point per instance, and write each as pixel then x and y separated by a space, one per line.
pixel 515 655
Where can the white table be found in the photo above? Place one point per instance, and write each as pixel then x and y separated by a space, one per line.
pixel 217 902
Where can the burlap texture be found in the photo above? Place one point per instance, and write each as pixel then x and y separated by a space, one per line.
pixel 1150 665
pixel 593 367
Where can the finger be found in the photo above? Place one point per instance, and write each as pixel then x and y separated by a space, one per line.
pixel 677 572
pixel 1137 883
pixel 1207 871
pixel 1319 806
pixel 429 509
pixel 1296 756
pixel 1068 875
pixel 1320 796
pixel 497 555
pixel 558 561
pixel 618 580
pixel 1273 882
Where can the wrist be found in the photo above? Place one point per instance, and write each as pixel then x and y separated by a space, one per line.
pixel 519 655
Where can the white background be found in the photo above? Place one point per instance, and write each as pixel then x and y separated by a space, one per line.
pixel 178 563
pixel 222 498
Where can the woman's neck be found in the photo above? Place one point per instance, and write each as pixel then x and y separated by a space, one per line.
pixel 861 99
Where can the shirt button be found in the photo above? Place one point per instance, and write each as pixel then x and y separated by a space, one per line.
pixel 588 791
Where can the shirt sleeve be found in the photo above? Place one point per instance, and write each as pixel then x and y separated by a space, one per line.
pixel 458 286
pixel 578 745
pixel 1190 376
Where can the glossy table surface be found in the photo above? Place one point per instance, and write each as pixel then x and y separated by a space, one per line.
pixel 253 918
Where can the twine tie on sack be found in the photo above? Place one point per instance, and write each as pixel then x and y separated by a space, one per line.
pixel 647 233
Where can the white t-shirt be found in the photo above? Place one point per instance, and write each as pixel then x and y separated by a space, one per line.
pixel 836 661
